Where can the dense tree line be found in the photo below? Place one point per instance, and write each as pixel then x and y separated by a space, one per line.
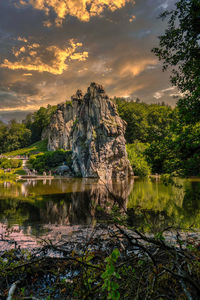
pixel 170 146
pixel 145 122
pixel 15 135
pixel 158 141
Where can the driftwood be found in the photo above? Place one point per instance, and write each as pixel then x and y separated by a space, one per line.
pixel 149 268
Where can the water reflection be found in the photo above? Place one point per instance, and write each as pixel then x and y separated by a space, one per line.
pixel 61 202
pixel 155 206
pixel 35 206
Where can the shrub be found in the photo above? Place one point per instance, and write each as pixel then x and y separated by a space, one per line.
pixel 137 159
pixel 6 163
pixel 44 162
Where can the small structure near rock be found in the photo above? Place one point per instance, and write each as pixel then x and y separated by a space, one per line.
pixel 93 130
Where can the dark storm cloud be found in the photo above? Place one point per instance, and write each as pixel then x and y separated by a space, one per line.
pixel 118 44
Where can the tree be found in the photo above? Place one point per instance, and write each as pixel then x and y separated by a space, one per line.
pixel 39 120
pixel 135 114
pixel 3 130
pixel 145 122
pixel 160 119
pixel 137 159
pixel 17 136
pixel 179 48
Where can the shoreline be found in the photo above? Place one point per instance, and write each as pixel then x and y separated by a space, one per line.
pixel 78 234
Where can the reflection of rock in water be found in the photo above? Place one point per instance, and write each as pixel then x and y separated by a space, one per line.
pixel 146 219
pixel 79 207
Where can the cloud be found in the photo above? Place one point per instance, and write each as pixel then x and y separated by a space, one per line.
pixel 171 92
pixel 21 39
pixel 132 18
pixel 159 94
pixel 136 67
pixel 119 57
pixel 81 9
pixel 52 59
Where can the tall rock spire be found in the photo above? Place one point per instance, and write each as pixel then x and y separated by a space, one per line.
pixel 95 134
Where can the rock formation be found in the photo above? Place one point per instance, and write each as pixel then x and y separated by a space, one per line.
pixel 93 130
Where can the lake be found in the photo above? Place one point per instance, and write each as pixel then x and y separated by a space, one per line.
pixel 51 209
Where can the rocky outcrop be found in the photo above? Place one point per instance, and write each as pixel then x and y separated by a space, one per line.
pixel 91 127
pixel 59 131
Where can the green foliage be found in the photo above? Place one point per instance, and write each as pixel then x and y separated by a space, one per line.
pixel 177 153
pixel 43 162
pixel 39 120
pixel 13 136
pixel 38 147
pixel 160 121
pixel 16 136
pixel 137 159
pixel 179 48
pixel 145 274
pixel 135 114
pixel 188 148
pixel 170 146
pixel 6 163
pixel 10 175
pixel 145 123
pixel 110 275
pixel 20 171
pixel 162 157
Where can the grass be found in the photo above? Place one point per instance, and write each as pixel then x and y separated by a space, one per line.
pixel 19 171
pixel 38 147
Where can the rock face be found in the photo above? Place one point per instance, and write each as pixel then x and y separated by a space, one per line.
pixel 93 130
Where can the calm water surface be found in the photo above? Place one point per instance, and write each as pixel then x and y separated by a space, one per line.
pixel 32 209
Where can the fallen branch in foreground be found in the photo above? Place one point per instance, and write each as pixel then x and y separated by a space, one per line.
pixel 144 267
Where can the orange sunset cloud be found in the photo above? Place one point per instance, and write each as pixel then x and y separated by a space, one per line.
pixel 81 9
pixel 51 59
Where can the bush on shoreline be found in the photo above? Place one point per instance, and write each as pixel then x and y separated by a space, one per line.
pixel 50 160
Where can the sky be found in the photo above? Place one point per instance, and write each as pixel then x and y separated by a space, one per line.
pixel 51 48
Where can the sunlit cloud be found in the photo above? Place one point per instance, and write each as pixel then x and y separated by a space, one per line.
pixel 171 91
pixel 21 39
pixel 132 19
pixel 33 57
pixel 39 65
pixel 81 9
pixel 136 67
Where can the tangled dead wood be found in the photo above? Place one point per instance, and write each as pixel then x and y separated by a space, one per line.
pixel 147 267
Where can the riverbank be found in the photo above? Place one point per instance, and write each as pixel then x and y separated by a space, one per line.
pixel 59 239
pixel 104 262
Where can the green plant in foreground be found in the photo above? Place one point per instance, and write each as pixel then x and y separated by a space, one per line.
pixel 110 285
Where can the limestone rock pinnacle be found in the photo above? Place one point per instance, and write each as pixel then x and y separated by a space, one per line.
pixel 93 130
